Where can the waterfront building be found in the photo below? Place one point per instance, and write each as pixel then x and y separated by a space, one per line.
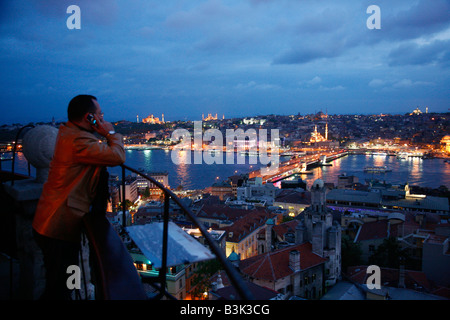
pixel 154 191
pixel 345 181
pixel 389 199
pixel 251 121
pixel 445 144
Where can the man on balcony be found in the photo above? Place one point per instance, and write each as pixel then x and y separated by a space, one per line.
pixel 76 184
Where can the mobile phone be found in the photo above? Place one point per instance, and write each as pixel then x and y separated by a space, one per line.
pixel 91 119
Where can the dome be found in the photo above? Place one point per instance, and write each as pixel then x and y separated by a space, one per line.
pixel 318 184
pixel 270 221
pixel 38 146
pixel 233 256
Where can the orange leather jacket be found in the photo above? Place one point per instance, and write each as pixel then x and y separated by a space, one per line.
pixel 72 180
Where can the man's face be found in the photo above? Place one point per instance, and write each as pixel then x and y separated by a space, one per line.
pixel 98 111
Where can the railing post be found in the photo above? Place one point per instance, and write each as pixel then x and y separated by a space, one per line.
pixel 124 223
pixel 165 242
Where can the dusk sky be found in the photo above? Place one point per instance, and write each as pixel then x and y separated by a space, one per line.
pixel 238 58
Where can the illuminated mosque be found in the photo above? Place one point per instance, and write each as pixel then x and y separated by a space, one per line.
pixel 152 120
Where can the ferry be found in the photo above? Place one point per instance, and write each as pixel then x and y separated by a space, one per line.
pixel 377 153
pixel 380 169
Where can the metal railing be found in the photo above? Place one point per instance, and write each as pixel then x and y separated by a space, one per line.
pixel 234 277
pixel 120 282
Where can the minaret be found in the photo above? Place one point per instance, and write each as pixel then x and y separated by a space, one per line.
pixel 137 118
pixel 326 131
pixel 162 118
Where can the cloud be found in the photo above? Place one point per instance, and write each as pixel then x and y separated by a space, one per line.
pixel 398 84
pixel 206 14
pixel 407 83
pixel 375 83
pixel 315 80
pixel 335 88
pixel 335 31
pixel 305 54
pixel 435 52
pixel 423 18
pixel 257 86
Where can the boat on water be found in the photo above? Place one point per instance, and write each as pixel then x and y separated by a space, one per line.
pixel 377 169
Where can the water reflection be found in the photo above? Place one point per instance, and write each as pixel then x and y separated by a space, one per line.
pixel 428 173
pixel 415 171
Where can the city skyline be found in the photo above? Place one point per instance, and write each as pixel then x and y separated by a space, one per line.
pixel 238 58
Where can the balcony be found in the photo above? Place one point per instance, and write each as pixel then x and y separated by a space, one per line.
pixel 111 265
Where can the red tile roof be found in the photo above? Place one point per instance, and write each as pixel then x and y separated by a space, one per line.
pixel 247 224
pixel 293 196
pixel 275 265
pixel 224 212
pixel 377 230
pixel 286 227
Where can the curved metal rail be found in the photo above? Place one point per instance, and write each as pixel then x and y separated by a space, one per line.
pixel 235 278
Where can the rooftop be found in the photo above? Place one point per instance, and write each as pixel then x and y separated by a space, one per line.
pixel 274 265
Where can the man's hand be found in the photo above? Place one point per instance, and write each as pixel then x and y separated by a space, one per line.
pixel 103 127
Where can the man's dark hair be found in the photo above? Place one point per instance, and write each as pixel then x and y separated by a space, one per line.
pixel 79 106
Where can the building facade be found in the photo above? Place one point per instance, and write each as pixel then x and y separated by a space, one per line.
pixel 318 228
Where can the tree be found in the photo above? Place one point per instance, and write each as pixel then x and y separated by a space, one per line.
pixel 350 252
pixel 388 254
pixel 128 204
pixel 204 271
pixel 146 192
